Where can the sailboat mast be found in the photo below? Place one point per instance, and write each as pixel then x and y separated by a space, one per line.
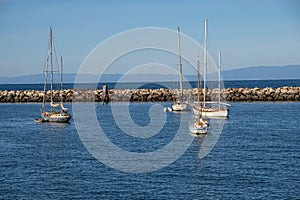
pixel 198 77
pixel 199 87
pixel 45 83
pixel 205 61
pixel 219 81
pixel 60 75
pixel 51 65
pixel 180 64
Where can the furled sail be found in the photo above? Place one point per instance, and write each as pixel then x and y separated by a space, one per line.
pixel 53 104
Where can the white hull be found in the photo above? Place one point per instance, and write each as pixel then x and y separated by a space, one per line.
pixel 212 112
pixel 198 129
pixel 180 107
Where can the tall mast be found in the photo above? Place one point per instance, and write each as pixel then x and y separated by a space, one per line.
pixel 219 80
pixel 198 78
pixel 180 64
pixel 45 82
pixel 60 75
pixel 199 87
pixel 51 64
pixel 205 61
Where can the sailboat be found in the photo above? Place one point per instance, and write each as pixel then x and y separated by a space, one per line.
pixel 55 111
pixel 199 125
pixel 215 109
pixel 180 104
pixel 218 108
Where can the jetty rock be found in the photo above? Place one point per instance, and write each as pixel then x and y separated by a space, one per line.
pixel 284 93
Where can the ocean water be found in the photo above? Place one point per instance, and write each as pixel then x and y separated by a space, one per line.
pixel 227 84
pixel 257 156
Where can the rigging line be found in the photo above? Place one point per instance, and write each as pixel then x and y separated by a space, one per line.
pixel 55 56
pixel 46 56
pixel 45 82
pixel 57 63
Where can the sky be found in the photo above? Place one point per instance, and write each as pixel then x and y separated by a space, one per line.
pixel 249 33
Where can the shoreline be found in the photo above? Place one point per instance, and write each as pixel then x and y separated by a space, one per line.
pixel 284 93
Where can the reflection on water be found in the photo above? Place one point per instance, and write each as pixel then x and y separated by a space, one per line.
pixel 208 141
pixel 256 156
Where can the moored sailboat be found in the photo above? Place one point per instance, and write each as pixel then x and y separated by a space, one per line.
pixel 212 109
pixel 55 111
pixel 222 109
pixel 198 125
pixel 180 104
pixel 218 108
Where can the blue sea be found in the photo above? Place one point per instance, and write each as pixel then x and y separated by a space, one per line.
pixel 129 85
pixel 255 156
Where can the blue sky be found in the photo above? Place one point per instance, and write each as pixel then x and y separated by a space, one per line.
pixel 249 33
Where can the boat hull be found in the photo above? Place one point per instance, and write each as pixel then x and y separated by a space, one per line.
pixel 199 127
pixel 196 130
pixel 212 112
pixel 180 107
pixel 56 117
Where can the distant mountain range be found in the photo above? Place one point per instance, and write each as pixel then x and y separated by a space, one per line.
pixel 247 73
pixel 263 73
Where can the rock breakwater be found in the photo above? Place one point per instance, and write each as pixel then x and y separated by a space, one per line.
pixel 150 95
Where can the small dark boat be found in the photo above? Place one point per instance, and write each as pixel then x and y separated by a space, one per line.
pixel 38 120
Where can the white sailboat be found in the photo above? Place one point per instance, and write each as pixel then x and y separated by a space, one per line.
pixel 180 104
pixel 55 111
pixel 212 109
pixel 217 109
pixel 199 125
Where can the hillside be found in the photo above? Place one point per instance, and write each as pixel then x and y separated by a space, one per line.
pixel 247 73
pixel 263 73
